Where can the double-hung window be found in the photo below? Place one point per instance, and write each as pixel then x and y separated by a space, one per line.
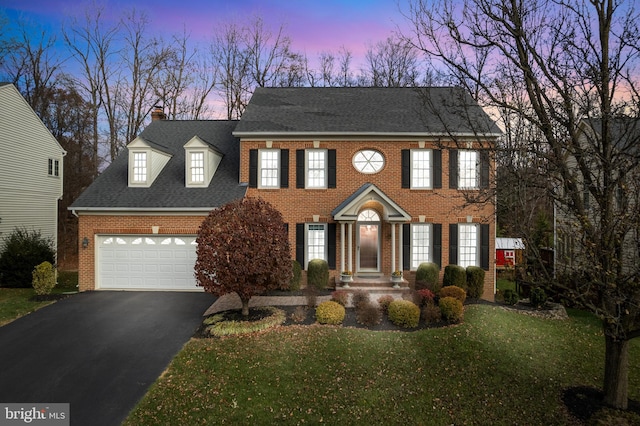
pixel 196 167
pixel 421 168
pixel 316 241
pixel 468 165
pixel 139 167
pixel 420 244
pixel 269 168
pixel 316 163
pixel 54 167
pixel 468 245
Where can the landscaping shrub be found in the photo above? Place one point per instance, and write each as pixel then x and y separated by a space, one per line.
pixel 368 314
pixel 23 250
pixel 511 297
pixel 311 295
pixel 454 275
pixel 44 278
pixel 340 296
pixel 358 297
pixel 425 296
pixel 537 297
pixel 475 281
pixel 451 309
pixel 384 301
pixel 431 313
pixel 427 276
pixel 218 325
pixel 455 292
pixel 299 314
pixel 404 313
pixel 318 274
pixel 294 285
pixel 330 312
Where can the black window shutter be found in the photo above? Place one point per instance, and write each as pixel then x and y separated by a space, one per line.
pixel 453 244
pixel 437 244
pixel 406 246
pixel 331 242
pixel 406 168
pixel 437 168
pixel 300 245
pixel 484 169
pixel 253 168
pixel 300 168
pixel 284 168
pixel 331 170
pixel 453 169
pixel 484 246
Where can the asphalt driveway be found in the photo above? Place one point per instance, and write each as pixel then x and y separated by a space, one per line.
pixel 98 351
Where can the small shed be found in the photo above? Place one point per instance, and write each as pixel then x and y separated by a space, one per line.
pixel 509 252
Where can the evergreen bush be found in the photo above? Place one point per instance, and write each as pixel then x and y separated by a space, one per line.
pixel 22 251
pixel 454 275
pixel 537 297
pixel 511 297
pixel 404 313
pixel 330 312
pixel 294 285
pixel 427 276
pixel 451 309
pixel 455 292
pixel 318 274
pixel 44 278
pixel 475 281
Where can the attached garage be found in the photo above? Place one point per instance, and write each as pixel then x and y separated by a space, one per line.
pixel 146 262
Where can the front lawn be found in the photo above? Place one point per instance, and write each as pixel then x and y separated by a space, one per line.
pixel 499 367
pixel 17 302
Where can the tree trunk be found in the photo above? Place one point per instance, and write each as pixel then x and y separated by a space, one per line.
pixel 616 372
pixel 245 307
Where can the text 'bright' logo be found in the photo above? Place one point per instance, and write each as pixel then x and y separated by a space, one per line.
pixel 49 414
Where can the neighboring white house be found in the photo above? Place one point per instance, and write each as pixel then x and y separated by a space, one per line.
pixel 30 168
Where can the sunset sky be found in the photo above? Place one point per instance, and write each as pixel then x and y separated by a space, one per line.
pixel 313 25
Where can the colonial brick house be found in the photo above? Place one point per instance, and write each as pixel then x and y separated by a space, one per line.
pixel 373 180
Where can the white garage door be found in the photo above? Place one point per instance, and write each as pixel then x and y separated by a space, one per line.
pixel 146 262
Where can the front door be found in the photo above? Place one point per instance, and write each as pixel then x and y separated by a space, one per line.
pixel 368 241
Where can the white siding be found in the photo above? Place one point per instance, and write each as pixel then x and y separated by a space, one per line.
pixel 28 195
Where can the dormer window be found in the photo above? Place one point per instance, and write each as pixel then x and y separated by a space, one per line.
pixel 146 162
pixel 196 167
pixel 140 167
pixel 200 163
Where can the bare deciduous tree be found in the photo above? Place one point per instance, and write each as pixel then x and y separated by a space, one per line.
pixel 568 70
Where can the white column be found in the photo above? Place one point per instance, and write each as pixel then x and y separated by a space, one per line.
pixel 400 252
pixel 350 247
pixel 342 247
pixel 393 247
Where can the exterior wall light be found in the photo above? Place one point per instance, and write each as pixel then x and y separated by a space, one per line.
pixel 85 242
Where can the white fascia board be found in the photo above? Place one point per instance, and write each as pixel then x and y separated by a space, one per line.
pixel 122 211
pixel 358 135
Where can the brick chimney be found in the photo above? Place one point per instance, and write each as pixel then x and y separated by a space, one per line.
pixel 157 113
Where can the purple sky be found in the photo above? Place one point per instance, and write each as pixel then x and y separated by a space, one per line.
pixel 313 25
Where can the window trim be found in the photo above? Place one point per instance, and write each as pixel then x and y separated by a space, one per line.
pixel 476 246
pixel 134 168
pixel 307 229
pixel 307 168
pixel 367 162
pixel 476 169
pixel 191 181
pixel 429 168
pixel 53 168
pixel 429 245
pixel 260 182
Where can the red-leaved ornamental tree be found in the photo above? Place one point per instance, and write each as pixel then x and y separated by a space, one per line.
pixel 243 247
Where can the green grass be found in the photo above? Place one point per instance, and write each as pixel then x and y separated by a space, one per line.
pixel 498 368
pixel 505 284
pixel 16 302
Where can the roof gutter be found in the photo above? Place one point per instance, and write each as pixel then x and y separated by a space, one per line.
pixel 359 135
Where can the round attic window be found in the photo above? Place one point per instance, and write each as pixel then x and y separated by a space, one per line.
pixel 368 161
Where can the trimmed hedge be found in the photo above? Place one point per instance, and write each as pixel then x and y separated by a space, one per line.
pixel 454 275
pixel 475 282
pixel 511 297
pixel 318 274
pixel 44 278
pixel 427 276
pixel 451 309
pixel 455 292
pixel 330 312
pixel 404 313
pixel 294 284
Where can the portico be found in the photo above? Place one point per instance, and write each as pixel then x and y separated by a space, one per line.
pixel 364 217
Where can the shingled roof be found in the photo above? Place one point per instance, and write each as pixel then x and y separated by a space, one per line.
pixel 110 191
pixel 363 111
